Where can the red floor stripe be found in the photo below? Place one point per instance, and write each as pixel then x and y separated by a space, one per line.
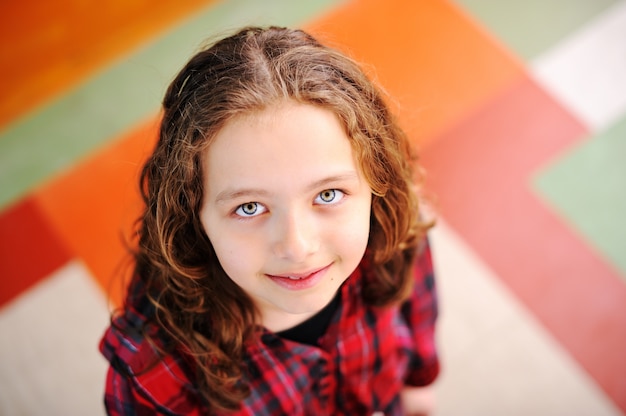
pixel 481 172
pixel 29 249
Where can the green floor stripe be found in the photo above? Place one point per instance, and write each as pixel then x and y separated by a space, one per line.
pixel 531 27
pixel 54 137
pixel 588 188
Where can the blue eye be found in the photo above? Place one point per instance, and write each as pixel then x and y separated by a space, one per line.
pixel 250 209
pixel 329 196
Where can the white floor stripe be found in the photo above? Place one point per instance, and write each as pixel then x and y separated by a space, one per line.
pixel 50 364
pixel 497 359
pixel 587 70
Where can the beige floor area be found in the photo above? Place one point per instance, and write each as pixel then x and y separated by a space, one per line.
pixel 50 335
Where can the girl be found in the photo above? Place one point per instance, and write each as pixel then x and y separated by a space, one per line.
pixel 282 266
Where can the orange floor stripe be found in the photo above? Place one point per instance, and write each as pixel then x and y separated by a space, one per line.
pixel 480 171
pixel 94 206
pixel 49 46
pixel 439 67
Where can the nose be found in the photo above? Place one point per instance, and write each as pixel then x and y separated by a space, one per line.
pixel 296 237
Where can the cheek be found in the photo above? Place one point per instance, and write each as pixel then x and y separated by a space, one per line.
pixel 227 246
pixel 238 255
pixel 241 255
pixel 353 232
pixel 360 234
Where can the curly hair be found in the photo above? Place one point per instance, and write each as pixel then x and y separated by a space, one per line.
pixel 202 311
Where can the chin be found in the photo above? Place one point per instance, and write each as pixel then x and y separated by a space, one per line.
pixel 300 306
pixel 303 309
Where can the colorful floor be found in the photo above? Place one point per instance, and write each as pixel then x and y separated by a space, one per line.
pixel 519 109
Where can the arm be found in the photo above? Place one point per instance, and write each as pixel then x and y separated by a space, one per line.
pixel 417 401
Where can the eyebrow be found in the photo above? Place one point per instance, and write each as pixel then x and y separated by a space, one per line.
pixel 230 194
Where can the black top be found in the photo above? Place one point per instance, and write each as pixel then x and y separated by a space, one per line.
pixel 309 331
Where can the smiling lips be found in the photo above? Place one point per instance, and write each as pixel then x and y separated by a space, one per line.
pixel 299 281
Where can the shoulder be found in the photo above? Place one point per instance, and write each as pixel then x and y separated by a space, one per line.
pixel 132 341
pixel 138 362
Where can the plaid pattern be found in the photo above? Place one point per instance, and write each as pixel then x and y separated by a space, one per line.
pixel 362 362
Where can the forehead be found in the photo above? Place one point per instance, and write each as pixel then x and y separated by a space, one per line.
pixel 283 145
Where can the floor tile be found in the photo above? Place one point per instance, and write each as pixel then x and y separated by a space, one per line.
pixel 49 347
pixel 435 63
pixel 497 359
pixel 531 27
pixel 587 186
pixel 30 249
pixel 480 172
pixel 586 70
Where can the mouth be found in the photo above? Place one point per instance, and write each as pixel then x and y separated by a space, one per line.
pixel 298 281
pixel 299 276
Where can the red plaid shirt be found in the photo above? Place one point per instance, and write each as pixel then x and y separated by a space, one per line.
pixel 361 363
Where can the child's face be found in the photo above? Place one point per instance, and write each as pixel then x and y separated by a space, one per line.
pixel 284 197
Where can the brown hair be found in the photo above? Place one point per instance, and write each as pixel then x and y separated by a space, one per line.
pixel 203 312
